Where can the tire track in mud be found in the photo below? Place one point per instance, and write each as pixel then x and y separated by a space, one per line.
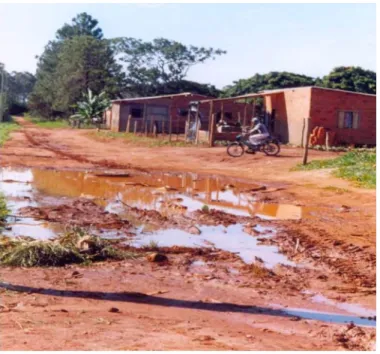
pixel 79 158
pixel 352 263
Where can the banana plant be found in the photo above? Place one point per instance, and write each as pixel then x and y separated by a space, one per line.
pixel 91 109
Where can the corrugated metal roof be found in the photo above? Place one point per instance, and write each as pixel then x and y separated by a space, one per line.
pixel 135 99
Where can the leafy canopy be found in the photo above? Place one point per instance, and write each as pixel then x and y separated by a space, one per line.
pixel 152 66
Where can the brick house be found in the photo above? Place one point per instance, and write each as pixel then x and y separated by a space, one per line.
pixel 350 115
pixel 160 110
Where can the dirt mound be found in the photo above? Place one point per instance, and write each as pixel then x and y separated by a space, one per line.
pixel 81 212
pixel 218 217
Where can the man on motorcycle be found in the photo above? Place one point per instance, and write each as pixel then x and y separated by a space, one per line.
pixel 258 133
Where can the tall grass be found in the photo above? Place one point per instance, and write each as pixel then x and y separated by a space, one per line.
pixel 356 166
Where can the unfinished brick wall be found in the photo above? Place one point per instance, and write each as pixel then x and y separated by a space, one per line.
pixel 325 107
pixel 292 106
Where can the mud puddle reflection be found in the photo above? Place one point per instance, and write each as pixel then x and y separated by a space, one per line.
pixel 166 193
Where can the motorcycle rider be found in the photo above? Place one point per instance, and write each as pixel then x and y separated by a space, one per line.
pixel 258 133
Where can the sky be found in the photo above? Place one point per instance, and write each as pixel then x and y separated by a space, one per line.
pixel 309 39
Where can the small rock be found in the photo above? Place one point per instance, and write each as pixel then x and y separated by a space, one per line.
pixel 156 257
pixel 114 309
pixel 64 310
pixel 194 230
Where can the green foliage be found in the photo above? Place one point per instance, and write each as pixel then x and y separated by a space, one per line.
pixel 75 246
pixel 350 78
pixel 3 208
pixel 272 80
pixel 91 108
pixel 356 166
pixel 152 67
pixel 47 124
pixel 17 86
pixel 139 140
pixel 205 208
pixel 5 129
pixel 77 61
pixel 82 25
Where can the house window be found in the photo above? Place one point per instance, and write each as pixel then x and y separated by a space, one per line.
pixel 348 120
pixel 137 112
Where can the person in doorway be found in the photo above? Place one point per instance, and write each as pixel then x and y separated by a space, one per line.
pixel 258 133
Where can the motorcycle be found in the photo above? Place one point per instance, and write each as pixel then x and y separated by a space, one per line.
pixel 269 146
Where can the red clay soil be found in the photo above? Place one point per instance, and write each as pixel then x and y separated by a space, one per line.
pixel 338 243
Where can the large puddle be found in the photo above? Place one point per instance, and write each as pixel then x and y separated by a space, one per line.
pixel 25 187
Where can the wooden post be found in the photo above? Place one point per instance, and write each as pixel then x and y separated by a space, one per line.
pixel 197 127
pixel 327 142
pixel 245 113
pixel 239 118
pixel 222 111
pixel 303 134
pixel 145 123
pixel 209 116
pixel 135 127
pixel 151 125
pixel 128 123
pixel 154 128
pixel 306 150
pixel 187 126
pixel 170 123
pixel 212 131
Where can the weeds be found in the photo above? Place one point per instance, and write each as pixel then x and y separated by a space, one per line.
pixel 259 271
pixel 356 166
pixel 336 189
pixel 152 246
pixel 205 208
pixel 75 246
pixel 138 140
pixel 48 124
pixel 3 209
pixel 5 129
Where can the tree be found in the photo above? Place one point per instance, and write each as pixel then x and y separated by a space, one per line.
pixel 352 78
pixel 86 63
pixel 91 108
pixel 79 59
pixel 153 66
pixel 272 80
pixel 82 25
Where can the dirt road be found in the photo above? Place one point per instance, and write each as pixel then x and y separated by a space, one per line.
pixel 197 308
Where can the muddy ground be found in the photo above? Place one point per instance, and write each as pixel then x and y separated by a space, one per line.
pixel 221 304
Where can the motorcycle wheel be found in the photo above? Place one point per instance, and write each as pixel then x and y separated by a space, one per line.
pixel 271 149
pixel 235 150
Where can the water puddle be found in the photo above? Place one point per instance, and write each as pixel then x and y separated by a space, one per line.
pixel 350 308
pixel 231 238
pixel 167 193
pixel 327 316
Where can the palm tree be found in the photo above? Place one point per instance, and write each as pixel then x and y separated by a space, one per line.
pixel 91 109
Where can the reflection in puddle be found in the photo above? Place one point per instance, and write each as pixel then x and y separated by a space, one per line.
pixel 164 192
pixel 230 238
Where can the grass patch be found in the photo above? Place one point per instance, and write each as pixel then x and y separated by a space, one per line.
pixel 336 189
pixel 139 140
pixel 75 246
pixel 3 209
pixel 48 124
pixel 5 129
pixel 356 166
